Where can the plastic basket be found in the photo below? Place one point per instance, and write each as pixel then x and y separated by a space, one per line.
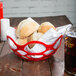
pixel 22 53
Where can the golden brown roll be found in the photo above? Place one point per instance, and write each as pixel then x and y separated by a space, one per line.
pixel 26 28
pixel 21 41
pixel 34 37
pixel 44 27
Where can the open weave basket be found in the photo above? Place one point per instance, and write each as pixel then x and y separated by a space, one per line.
pixel 22 53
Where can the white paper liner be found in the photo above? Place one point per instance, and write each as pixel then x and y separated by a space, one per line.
pixel 48 38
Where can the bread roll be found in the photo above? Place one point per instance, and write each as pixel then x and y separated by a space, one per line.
pixel 26 28
pixel 34 37
pixel 21 41
pixel 44 27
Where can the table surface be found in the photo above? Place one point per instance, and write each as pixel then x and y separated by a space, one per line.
pixel 12 65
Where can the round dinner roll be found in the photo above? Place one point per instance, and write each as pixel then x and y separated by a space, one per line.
pixel 21 41
pixel 34 37
pixel 45 26
pixel 26 28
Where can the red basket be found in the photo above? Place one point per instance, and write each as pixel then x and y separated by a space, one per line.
pixel 27 55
